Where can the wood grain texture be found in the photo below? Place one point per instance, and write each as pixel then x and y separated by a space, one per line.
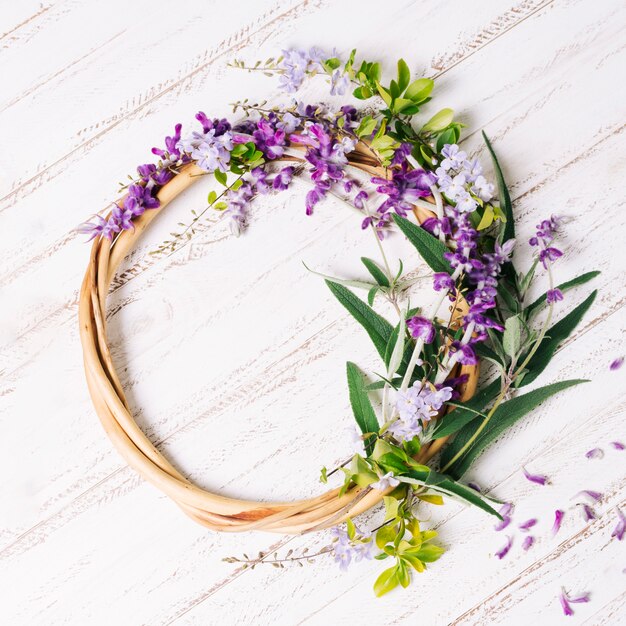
pixel 257 337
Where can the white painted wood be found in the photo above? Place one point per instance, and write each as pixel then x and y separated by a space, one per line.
pixel 232 354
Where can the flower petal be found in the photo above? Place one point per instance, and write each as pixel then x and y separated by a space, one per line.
pixel 527 524
pixel 502 552
pixel 594 453
pixel 535 478
pixel 528 542
pixel 558 520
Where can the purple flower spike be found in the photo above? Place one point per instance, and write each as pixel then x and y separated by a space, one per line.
pixel 535 478
pixel 527 524
pixel 618 445
pixel 558 520
pixel 422 328
pixel 618 533
pixel 528 542
pixel 594 453
pixel 615 365
pixel 502 552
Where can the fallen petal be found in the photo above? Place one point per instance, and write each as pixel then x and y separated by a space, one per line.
pixel 527 524
pixel 567 610
pixel 594 453
pixel 618 445
pixel 618 533
pixel 580 599
pixel 528 542
pixel 535 478
pixel 503 523
pixel 594 496
pixel 615 365
pixel 558 520
pixel 475 487
pixel 588 513
pixel 505 548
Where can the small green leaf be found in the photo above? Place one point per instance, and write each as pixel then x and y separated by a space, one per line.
pixel 570 284
pixel 487 219
pixel 439 121
pixel 404 75
pixel 357 284
pixel 385 535
pixel 350 529
pixel 371 294
pixel 361 406
pixel 387 581
pixel 512 338
pixel 375 271
pixel 212 197
pixel 220 177
pixel 505 197
pixel 384 94
pixel 429 247
pixel 554 337
pixel 429 553
pixel 419 89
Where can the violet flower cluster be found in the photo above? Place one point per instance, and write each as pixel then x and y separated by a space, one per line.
pixel 346 550
pixel 547 253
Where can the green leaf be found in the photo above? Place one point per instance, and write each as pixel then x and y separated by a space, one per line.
pixel 212 197
pixel 385 535
pixel 397 350
pixel 376 326
pixel 220 177
pixel 512 338
pixel 554 337
pixel 505 197
pixel 439 121
pixel 570 284
pixel 371 294
pixel 419 89
pixel 429 247
pixel 366 127
pixel 429 553
pixel 404 75
pixel 387 581
pixel 361 405
pixel 362 93
pixel 487 219
pixel 453 421
pixel 384 94
pixel 357 284
pixel 375 271
pixel 505 416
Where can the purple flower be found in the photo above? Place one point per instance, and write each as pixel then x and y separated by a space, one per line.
pixel 151 175
pixel 535 478
pixel 401 153
pixel 171 148
pixel 464 354
pixel 403 189
pixel 122 218
pixel 503 551
pixel 548 255
pixel 139 199
pixel 359 200
pixel 219 126
pixel 212 151
pixel 503 523
pixel 618 533
pixel 554 295
pixel 258 179
pixel 270 139
pixel 283 179
pixel 339 83
pixel 616 364
pixel 93 229
pixel 618 445
pixel 421 328
pixel 441 280
pixel 594 453
pixel 296 64
pixel 528 524
pixel 558 520
pixel 529 540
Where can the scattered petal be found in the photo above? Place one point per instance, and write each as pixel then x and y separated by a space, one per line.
pixel 503 523
pixel 502 552
pixel 475 487
pixel 588 513
pixel 593 496
pixel 528 542
pixel 580 599
pixel 618 445
pixel 506 509
pixel 618 533
pixel 567 609
pixel 558 520
pixel 535 478
pixel 615 365
pixel 594 453
pixel 527 524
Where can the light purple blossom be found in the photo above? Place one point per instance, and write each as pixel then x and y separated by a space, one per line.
pixel 441 280
pixel 93 229
pixel 339 83
pixel 558 520
pixel 386 482
pixel 535 478
pixel 619 530
pixel 283 179
pixel 403 189
pixel 139 199
pixel 213 153
pixel 503 551
pixel 422 328
pixel 595 453
pixel 529 540
pixel 296 64
pixel 553 296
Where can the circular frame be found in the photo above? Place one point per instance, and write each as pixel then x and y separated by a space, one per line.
pixel 214 511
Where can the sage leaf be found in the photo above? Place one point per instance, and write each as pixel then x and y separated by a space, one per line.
pixel 570 284
pixel 375 271
pixel 554 337
pixel 364 414
pixel 429 247
pixel 512 338
pixel 503 192
pixel 505 416
pixel 404 75
pixel 376 326
pixel 357 284
pixel 395 359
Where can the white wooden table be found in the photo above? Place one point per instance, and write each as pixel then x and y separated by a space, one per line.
pixel 233 355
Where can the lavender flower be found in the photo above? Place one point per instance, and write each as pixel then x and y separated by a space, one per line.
pixel 553 296
pixel 171 145
pixel 618 533
pixel 93 229
pixel 403 189
pixel 421 328
pixel 535 478
pixel 386 482
pixel 296 64
pixel 505 511
pixel 283 179
pixel 139 199
pixel 213 152
pixel 339 83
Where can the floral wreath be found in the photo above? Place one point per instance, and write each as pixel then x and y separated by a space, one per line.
pixel 426 419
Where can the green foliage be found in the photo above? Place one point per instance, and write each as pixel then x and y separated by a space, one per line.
pixel 429 247
pixel 505 198
pixel 570 284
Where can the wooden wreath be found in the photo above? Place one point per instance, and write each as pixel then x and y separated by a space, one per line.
pixel 212 510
